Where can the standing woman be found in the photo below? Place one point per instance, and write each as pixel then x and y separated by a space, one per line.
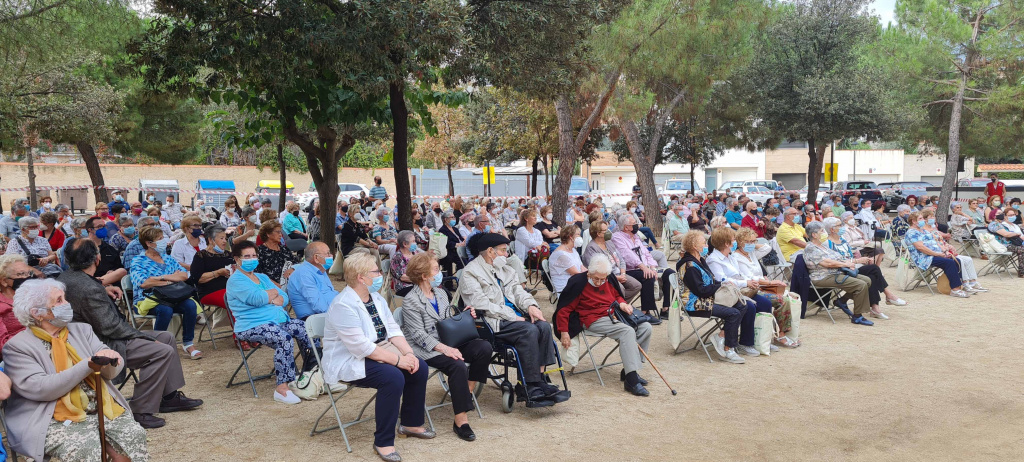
pixel 365 347
pixel 154 268
pixel 272 255
pixel 425 305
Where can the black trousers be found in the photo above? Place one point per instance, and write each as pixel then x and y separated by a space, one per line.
pixel 475 352
pixel 446 265
pixel 534 343
pixel 647 302
pixel 878 282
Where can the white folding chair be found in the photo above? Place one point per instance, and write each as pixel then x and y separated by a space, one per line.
pixel 998 262
pixel 784 269
pixel 553 296
pixel 315 330
pixel 928 276
pixel 701 338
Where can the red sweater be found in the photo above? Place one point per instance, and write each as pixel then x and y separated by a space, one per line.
pixel 9 324
pixel 750 222
pixel 592 304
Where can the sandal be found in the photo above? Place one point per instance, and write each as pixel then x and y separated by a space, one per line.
pixel 195 354
pixel 786 342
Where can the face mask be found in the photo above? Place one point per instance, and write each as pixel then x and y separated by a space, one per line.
pixel 129 231
pixel 84 233
pixel 634 229
pixel 1016 206
pixel 931 222
pixel 151 198
pixel 101 233
pixel 607 235
pixel 296 213
pixel 437 210
pixel 376 284
pixel 33 233
pixel 46 205
pixel 487 228
pixel 920 223
pixel 161 246
pixel 17 282
pixel 749 248
pixel 62 315
pixel 704 252
pixel 118 198
pixel 632 210
pixel 997 203
pixel 452 223
pixel 249 265
pixel 1011 219
pixel 436 281
pixel 420 222
pixel 499 261
pixel 328 262
pixel 841 232
pixel 547 216
pixel 797 219
pixel 734 247
pixel 217 249
pixel 254 219
pixel 137 211
pixel 760 209
pixel 413 247
pixel 591 281
pixel 578 242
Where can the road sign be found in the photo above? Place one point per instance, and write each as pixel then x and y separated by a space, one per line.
pixel 831 172
pixel 488 174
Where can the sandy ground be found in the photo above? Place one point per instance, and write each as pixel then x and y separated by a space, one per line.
pixel 939 381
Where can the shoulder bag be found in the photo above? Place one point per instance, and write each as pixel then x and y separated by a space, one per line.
pixel 31 260
pixel 457 330
pixel 172 294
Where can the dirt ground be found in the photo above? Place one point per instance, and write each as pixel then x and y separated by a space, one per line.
pixel 940 380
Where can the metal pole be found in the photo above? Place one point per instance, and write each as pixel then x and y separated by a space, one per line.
pixel 834 175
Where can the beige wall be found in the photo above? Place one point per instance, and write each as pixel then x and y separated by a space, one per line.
pixel 15 175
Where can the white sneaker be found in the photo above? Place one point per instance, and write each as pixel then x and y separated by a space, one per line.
pixel 978 288
pixel 898 302
pixel 748 350
pixel 732 357
pixel 772 348
pixel 958 294
pixel 287 398
pixel 719 344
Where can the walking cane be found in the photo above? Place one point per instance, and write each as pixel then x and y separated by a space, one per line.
pixel 674 392
pixel 96 364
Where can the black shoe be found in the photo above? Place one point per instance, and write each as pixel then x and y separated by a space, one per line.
pixel 179 402
pixel 653 320
pixel 149 421
pixel 637 390
pixel 663 315
pixel 622 378
pixel 549 389
pixel 561 397
pixel 464 432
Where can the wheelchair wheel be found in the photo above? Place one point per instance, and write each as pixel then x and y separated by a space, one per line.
pixel 508 398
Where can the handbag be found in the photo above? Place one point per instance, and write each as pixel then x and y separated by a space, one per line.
pixel 457 330
pixel 172 294
pixel 31 260
pixel 766 328
pixel 728 295
pixel 386 345
pixel 309 385
pixel 439 244
pixel 632 320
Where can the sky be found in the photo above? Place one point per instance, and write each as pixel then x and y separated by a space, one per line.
pixel 885 9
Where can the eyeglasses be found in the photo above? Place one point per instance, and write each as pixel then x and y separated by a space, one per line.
pixel 98 227
pixel 22 274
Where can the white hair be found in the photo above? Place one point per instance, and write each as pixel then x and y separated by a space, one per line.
pixel 831 223
pixel 33 296
pixel 25 222
pixel 599 265
pixel 8 259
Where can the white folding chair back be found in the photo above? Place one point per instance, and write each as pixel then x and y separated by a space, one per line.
pixel 553 297
pixel 784 269
pixel 998 262
pixel 680 296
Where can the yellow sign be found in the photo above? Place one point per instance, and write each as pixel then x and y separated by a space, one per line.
pixel 831 172
pixel 488 174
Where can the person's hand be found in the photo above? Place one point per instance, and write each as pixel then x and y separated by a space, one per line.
pixel 520 318
pixel 753 285
pixel 108 353
pixel 409 363
pixel 649 272
pixel 453 353
pixel 288 274
pixel 626 308
pixel 535 314
pixel 181 275
pixel 472 311
pixel 224 272
pixel 566 341
pixel 621 277
pixel 114 292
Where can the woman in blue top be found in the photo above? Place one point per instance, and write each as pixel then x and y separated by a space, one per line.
pixel 258 306
pixel 154 268
pixel 925 252
pixel 293 224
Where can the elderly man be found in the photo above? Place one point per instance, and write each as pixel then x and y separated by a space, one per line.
pixel 677 221
pixel 491 287
pixel 432 218
pixel 151 353
pixel 643 264
pixel 309 288
pixel 9 224
pixel 119 199
pixel 791 236
pixel 589 296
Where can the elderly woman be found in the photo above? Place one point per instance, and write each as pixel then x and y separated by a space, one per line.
pixel 961 225
pixel 211 268
pixel 466 222
pixel 977 214
pixel 51 231
pixel 643 264
pixel 407 247
pixel 725 270
pixel 294 226
pixel 184 250
pixel 154 269
pixel 384 233
pixel 699 281
pixel 1006 229
pixel 749 268
pixel 564 260
pixel 968 273
pixel 425 305
pixel 838 242
pixel 926 252
pixel 912 203
pixel 600 244
pixel 125 233
pixel 34 247
pixel 258 307
pixel 249 228
pixel 697 220
pixel 273 256
pixel 365 347
pixel 154 213
pixel 265 215
pixel 13 273
pixel 52 411
pixel 315 223
pixel 452 262
pixel 232 213
pixel 419 230
pixel 826 268
pixel 857 239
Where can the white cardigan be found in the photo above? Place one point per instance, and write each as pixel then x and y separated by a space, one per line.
pixel 349 335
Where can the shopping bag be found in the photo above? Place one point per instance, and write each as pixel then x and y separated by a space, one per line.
pixel 765 330
pixel 675 332
pixel 793 300
pixel 439 244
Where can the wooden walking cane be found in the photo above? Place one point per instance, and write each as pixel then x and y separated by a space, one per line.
pixel 674 392
pixel 96 364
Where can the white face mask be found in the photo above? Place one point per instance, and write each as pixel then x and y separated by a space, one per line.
pixel 548 216
pixel 499 261
pixel 591 281
pixel 578 242
pixel 851 222
pixel 33 233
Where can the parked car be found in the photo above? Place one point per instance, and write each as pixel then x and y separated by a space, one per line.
pixel 345 191
pixel 867 190
pixel 271 189
pixel 755 193
pixel 729 185
pixel 771 185
pixel 579 186
pixel 896 193
pixel 679 187
pixel 824 189
pixel 974 182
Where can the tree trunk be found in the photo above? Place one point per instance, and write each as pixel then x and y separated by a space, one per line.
pixel 815 155
pixel 952 152
pixel 282 191
pixel 547 176
pixel 32 195
pixel 693 181
pixel 643 162
pixel 92 165
pixel 322 159
pixel 533 185
pixel 400 119
pixel 451 183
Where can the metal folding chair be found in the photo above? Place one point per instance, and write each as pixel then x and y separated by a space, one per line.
pixel 783 270
pixel 928 276
pixel 998 262
pixel 701 338
pixel 553 296
pixel 315 330
pixel 137 320
pixel 584 335
pixel 253 348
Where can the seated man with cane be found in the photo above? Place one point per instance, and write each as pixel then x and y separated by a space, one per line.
pixel 589 297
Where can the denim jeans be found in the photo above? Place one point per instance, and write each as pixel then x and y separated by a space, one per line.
pixel 187 310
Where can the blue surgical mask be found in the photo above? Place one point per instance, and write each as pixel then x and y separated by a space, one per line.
pixel 101 233
pixel 487 228
pixel 920 223
pixel 249 265
pixel 1011 219
pixel 1016 206
pixel 452 223
pixel 377 283
pixel 760 209
pixel 436 282
pixel 118 198
pixel 413 247
pixel 797 219
pixel 734 247
pixel 83 233
pixel 129 231
pixel 217 249
pixel 161 246
pixel 704 252
pixel 931 222
pixel 841 232
pixel 749 248
pixel 328 262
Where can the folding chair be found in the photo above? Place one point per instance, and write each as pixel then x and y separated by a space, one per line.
pixel 590 353
pixel 553 296
pixel 137 320
pixel 969 246
pixel 783 270
pixel 254 347
pixel 998 262
pixel 702 338
pixel 385 287
pixel 441 379
pixel 823 297
pixel 315 330
pixel 928 276
pixel 208 311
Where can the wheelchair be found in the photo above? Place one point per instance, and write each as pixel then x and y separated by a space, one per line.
pixel 506 357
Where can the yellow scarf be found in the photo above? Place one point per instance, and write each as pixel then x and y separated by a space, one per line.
pixel 72 405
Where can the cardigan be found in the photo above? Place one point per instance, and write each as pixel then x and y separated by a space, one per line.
pixel 37 386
